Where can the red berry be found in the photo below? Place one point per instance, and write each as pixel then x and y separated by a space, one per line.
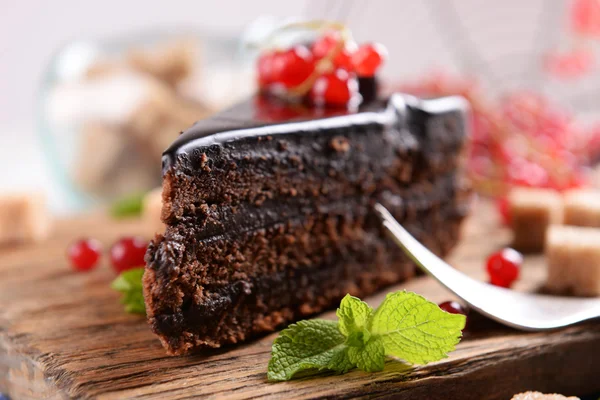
pixel 585 17
pixel 84 254
pixel 368 58
pixel 326 44
pixel 128 253
pixel 265 69
pixel 453 307
pixel 503 267
pixel 292 67
pixel 344 59
pixel 338 88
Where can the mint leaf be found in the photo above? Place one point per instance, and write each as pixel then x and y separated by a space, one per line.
pixel 370 357
pixel 405 325
pixel 308 345
pixel 414 329
pixel 129 206
pixel 353 314
pixel 130 284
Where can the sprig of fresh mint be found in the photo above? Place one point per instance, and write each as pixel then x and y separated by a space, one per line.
pixel 405 325
pixel 130 284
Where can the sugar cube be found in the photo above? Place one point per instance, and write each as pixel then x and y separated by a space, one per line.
pixel 23 218
pixel 582 207
pixel 531 212
pixel 573 260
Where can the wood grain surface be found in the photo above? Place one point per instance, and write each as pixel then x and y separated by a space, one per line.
pixel 65 335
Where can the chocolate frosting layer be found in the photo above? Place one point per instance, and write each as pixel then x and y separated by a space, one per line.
pixel 260 116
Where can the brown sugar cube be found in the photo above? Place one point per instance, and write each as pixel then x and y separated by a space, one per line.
pixel 109 163
pixel 23 218
pixel 582 207
pixel 157 122
pixel 573 259
pixel 531 212
pixel 170 63
pixel 541 396
pixel 99 149
pixel 151 210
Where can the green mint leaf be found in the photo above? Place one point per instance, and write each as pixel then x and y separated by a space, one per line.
pixel 405 325
pixel 358 339
pixel 369 357
pixel 308 345
pixel 340 362
pixel 130 284
pixel 129 206
pixel 353 315
pixel 415 329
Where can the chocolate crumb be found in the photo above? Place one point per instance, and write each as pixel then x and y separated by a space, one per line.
pixel 340 144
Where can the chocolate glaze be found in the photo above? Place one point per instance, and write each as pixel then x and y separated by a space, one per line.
pixel 260 116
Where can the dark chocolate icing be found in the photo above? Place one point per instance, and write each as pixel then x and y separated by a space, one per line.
pixel 261 116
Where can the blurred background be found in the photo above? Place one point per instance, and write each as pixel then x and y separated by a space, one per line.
pixel 92 92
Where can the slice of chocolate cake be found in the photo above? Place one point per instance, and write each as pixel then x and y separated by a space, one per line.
pixel 269 212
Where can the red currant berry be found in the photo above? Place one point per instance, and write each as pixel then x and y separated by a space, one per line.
pixel 344 60
pixel 84 254
pixel 503 267
pixel 325 44
pixel 453 307
pixel 293 66
pixel 265 69
pixel 585 17
pixel 338 88
pixel 128 253
pixel 368 58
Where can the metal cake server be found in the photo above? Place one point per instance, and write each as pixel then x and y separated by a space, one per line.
pixel 525 311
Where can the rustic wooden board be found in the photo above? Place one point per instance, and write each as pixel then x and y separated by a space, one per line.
pixel 64 334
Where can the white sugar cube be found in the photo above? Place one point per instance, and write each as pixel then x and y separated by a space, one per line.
pixel 541 396
pixel 582 207
pixel 573 259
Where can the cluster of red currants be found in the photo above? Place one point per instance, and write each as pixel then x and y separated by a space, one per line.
pixel 324 74
pixel 523 139
pixel 126 253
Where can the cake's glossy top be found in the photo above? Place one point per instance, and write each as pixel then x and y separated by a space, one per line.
pixel 262 116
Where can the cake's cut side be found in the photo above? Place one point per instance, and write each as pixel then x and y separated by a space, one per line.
pixel 271 223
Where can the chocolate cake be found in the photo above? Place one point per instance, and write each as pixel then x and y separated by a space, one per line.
pixel 269 212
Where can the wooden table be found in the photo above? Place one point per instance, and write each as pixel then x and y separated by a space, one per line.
pixel 64 334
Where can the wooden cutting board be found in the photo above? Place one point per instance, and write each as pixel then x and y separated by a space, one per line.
pixel 64 334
